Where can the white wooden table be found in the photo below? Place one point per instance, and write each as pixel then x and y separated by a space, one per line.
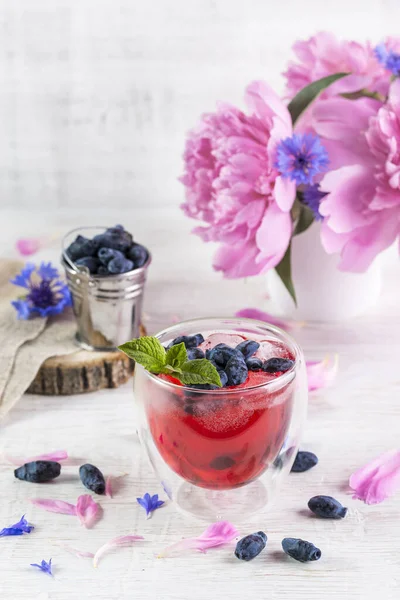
pixel 348 425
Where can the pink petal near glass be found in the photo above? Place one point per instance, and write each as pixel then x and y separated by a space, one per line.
pixel 378 479
pixel 321 373
pixel 260 315
pixel 55 506
pixel 56 456
pixel 87 510
pixel 124 540
pixel 216 534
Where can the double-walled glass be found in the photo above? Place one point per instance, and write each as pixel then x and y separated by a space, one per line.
pixel 222 454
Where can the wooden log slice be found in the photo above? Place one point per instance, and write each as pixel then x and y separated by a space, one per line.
pixel 82 371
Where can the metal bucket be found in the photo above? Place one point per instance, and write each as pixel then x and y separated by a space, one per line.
pixel 107 308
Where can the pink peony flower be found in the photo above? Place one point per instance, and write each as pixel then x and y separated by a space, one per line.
pixel 323 55
pixel 232 183
pixel 362 208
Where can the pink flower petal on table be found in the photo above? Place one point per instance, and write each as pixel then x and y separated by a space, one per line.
pixel 31 245
pixel 321 373
pixel 110 483
pixel 28 246
pixel 55 506
pixel 260 315
pixel 87 510
pixel 124 540
pixel 109 490
pixel 79 553
pixel 57 455
pixel 377 480
pixel 216 534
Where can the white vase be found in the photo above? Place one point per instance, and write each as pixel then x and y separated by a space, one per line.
pixel 323 292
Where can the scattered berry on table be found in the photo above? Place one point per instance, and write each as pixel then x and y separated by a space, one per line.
pixel 194 353
pixel 327 507
pixel 236 370
pixel 300 549
pixel 38 471
pixel 250 546
pixel 81 247
pixel 90 262
pixel 119 265
pixel 138 255
pixel 304 461
pixel 248 348
pixel 277 365
pixel 92 478
pixel 254 364
pixel 107 254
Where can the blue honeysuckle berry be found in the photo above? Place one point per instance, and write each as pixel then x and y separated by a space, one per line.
pixel 113 238
pixel 38 471
pixel 327 507
pixel 81 247
pixel 236 370
pixel 92 478
pixel 138 255
pixel 195 353
pixel 190 341
pixel 277 365
pixel 119 265
pixel 301 550
pixel 221 353
pixel 107 254
pixel 248 348
pixel 250 546
pixel 220 463
pixel 304 461
pixel 223 377
pixel 90 262
pixel 254 364
pixel 102 270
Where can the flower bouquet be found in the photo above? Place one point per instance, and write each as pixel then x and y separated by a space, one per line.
pixel 324 160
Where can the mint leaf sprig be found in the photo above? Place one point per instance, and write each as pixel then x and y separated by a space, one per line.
pixel 150 353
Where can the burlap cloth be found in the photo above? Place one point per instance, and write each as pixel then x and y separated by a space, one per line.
pixel 25 345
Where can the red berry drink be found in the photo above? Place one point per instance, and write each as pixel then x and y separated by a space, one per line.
pixel 226 437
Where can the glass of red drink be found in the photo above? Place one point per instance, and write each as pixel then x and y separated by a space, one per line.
pixel 222 453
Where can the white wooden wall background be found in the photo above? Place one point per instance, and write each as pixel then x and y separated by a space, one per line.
pixel 96 95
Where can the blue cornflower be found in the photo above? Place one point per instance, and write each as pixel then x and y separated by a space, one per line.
pixel 300 157
pixel 18 528
pixel 150 503
pixel 47 293
pixel 389 59
pixel 44 566
pixel 312 196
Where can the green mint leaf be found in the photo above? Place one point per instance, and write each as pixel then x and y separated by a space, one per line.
pixel 300 102
pixel 199 370
pixel 176 356
pixel 147 351
pixel 284 270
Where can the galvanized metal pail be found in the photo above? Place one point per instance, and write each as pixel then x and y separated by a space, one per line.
pixel 107 308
